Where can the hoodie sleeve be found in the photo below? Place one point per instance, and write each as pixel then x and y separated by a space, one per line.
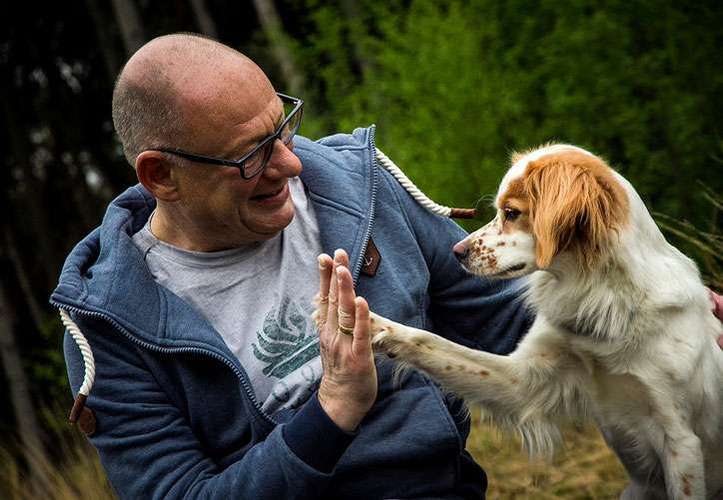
pixel 482 314
pixel 149 450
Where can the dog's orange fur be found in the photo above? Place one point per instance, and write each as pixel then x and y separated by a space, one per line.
pixel 574 203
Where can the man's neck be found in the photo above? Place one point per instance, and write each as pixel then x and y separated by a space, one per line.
pixel 173 230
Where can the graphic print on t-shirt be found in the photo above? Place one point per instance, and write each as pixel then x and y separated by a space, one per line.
pixel 287 339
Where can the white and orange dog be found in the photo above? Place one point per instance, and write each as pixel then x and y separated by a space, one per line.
pixel 623 331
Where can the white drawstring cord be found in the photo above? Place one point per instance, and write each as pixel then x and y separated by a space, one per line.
pixel 88 363
pixel 418 195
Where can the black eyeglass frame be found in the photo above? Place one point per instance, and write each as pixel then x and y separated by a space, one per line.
pixel 298 108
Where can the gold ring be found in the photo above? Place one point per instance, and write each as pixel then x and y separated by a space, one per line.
pixel 345 330
pixel 343 315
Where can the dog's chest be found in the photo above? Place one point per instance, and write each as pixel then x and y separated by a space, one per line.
pixel 617 396
pixel 623 411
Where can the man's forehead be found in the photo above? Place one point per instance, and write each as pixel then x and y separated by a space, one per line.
pixel 229 88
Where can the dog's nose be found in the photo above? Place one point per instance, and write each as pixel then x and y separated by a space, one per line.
pixel 460 251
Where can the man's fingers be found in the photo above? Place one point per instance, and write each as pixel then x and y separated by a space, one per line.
pixel 325 266
pixel 341 257
pixel 345 312
pixel 717 304
pixel 362 345
pixel 331 315
pixel 325 269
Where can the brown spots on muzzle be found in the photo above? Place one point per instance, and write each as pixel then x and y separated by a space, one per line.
pixel 484 254
pixel 483 373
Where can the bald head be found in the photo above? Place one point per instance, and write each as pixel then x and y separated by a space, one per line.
pixel 172 83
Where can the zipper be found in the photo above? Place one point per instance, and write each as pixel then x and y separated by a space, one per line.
pixel 372 206
pixel 172 350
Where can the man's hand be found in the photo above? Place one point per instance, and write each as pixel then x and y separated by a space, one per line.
pixel 718 311
pixel 349 383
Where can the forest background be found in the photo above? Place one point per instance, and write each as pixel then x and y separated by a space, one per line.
pixel 453 87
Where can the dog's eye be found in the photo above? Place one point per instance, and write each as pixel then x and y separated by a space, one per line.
pixel 511 214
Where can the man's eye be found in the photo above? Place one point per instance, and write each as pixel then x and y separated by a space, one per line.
pixel 511 214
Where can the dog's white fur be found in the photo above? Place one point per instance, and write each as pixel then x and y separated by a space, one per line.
pixel 626 339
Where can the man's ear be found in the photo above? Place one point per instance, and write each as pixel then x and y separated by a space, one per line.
pixel 575 205
pixel 153 169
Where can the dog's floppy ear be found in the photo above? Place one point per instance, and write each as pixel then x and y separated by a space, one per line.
pixel 575 204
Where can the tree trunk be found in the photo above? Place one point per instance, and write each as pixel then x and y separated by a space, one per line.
pixel 110 58
pixel 204 19
pixel 27 422
pixel 356 33
pixel 25 285
pixel 130 24
pixel 31 201
pixel 271 24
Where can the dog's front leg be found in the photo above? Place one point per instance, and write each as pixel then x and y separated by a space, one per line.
pixel 524 391
pixel 682 458
pixel 683 466
pixel 458 368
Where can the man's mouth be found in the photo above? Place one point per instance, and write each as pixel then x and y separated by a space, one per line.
pixel 275 196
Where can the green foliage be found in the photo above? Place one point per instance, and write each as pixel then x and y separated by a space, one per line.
pixel 455 86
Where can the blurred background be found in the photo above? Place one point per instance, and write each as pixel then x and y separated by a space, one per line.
pixel 453 86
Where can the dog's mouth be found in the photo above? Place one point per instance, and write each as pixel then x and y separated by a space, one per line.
pixel 507 271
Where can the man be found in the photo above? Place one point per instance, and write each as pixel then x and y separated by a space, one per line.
pixel 195 297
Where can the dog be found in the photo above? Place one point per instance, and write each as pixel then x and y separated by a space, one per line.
pixel 622 334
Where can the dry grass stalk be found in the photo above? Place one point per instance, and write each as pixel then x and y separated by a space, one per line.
pixel 78 475
pixel 584 469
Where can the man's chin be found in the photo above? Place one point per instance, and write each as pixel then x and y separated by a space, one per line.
pixel 268 226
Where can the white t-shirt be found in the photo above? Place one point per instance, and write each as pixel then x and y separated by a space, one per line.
pixel 258 297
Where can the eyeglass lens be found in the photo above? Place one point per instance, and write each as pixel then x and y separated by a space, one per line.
pixel 258 161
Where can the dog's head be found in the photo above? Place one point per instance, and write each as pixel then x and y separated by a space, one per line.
pixel 554 201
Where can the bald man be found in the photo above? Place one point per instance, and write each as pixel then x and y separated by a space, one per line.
pixel 195 294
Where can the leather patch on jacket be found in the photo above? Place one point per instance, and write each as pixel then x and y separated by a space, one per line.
pixel 372 258
pixel 87 422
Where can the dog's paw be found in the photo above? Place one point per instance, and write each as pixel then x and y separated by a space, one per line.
pixel 384 343
pixel 380 338
pixel 391 342
pixel 378 325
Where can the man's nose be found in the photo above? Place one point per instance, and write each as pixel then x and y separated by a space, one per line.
pixel 460 251
pixel 283 161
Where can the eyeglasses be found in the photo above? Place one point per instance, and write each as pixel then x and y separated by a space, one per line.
pixel 254 162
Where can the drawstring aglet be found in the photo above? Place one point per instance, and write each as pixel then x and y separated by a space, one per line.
pixel 78 406
pixel 463 213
